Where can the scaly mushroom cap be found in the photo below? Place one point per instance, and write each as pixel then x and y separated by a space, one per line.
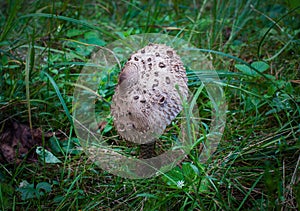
pixel 147 97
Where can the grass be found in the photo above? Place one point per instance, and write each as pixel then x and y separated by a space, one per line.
pixel 45 45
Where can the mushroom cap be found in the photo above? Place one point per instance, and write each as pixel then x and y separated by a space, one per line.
pixel 149 93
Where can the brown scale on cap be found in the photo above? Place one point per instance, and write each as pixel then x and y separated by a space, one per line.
pixel 146 99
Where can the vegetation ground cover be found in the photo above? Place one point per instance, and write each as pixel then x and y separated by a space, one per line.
pixel 45 45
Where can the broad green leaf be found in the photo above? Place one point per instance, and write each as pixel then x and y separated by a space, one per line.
pixel 43 187
pixel 93 38
pixel 74 32
pixel 71 146
pixel 46 155
pixel 204 187
pixel 27 190
pixel 55 145
pixel 189 171
pixel 259 66
pixel 107 128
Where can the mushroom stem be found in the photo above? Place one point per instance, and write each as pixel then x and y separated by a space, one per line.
pixel 147 150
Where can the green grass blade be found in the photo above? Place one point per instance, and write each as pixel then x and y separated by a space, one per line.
pixel 249 192
pixel 15 5
pixel 62 101
pixel 269 30
pixel 28 68
pixel 71 20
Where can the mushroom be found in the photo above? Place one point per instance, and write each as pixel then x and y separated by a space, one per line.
pixel 149 95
